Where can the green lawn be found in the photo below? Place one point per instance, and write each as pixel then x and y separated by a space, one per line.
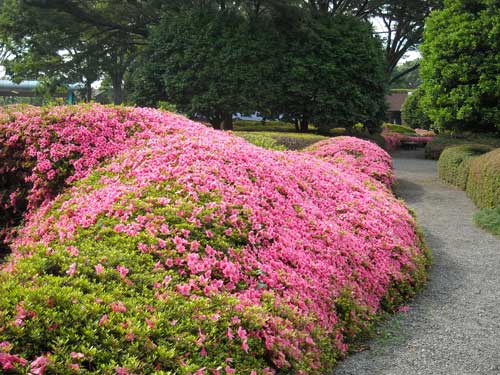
pixel 276 135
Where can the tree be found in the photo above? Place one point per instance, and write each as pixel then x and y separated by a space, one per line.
pixel 406 75
pixel 210 63
pixel 413 112
pixel 332 74
pixel 402 22
pixel 461 66
pixel 49 42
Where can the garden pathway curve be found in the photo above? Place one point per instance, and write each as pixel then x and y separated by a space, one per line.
pixel 453 326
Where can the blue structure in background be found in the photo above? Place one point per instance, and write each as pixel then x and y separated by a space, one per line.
pixel 28 89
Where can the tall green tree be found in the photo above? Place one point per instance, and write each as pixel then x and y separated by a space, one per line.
pixel 49 43
pixel 461 65
pixel 333 74
pixel 406 75
pixel 210 62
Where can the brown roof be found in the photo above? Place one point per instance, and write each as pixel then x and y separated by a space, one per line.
pixel 396 100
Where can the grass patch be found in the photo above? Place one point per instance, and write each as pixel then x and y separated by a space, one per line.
pixel 489 220
pixel 280 140
pixel 267 126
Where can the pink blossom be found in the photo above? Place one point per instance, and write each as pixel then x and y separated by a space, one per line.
pixel 184 289
pixel 72 269
pixel 8 361
pixel 73 251
pixel 74 366
pixel 76 355
pixel 118 307
pixel 123 271
pixel 38 366
pixel 104 320
pixel 98 268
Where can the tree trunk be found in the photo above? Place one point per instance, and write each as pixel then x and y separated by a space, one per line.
pixel 304 125
pixel 216 124
pixel 88 91
pixel 296 123
pixel 228 121
pixel 117 88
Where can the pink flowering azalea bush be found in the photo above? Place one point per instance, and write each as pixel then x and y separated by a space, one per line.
pixel 45 149
pixel 192 251
pixel 394 140
pixel 350 152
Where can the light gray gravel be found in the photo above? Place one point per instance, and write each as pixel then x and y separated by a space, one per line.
pixel 453 326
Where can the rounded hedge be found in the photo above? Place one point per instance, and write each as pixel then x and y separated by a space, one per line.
pixel 195 252
pixel 46 149
pixel 350 152
pixel 454 163
pixel 483 185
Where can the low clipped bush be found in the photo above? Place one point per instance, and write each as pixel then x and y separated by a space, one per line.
pixel 483 184
pixel 364 156
pixel 195 252
pixel 401 129
pixel 438 144
pixel 454 163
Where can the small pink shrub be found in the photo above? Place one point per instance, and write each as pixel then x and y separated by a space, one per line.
pixel 350 152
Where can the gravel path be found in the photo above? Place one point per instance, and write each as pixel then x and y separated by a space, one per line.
pixel 453 326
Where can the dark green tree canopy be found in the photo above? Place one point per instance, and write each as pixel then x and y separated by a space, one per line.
pixel 461 65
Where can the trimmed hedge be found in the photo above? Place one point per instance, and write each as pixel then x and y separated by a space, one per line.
pixel 454 163
pixel 195 252
pixel 483 185
pixel 401 129
pixel 434 148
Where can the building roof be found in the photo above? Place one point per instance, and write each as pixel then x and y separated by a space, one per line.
pixel 396 100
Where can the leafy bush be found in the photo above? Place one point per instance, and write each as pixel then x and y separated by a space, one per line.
pixel 166 106
pixel 436 146
pixel 489 219
pixel 401 129
pixel 454 163
pixel 195 252
pixel 413 113
pixel 483 185
pixel 364 156
pixel 461 66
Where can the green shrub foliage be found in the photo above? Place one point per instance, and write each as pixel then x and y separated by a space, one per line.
pixel 461 65
pixel 454 163
pixel 413 112
pixel 483 185
pixel 489 220
pixel 401 129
